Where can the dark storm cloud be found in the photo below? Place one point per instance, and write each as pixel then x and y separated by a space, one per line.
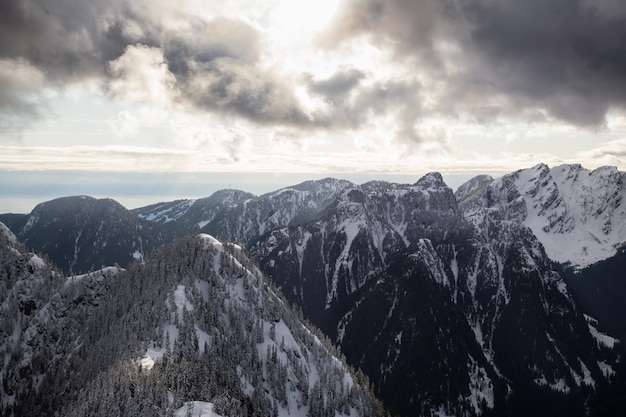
pixel 67 39
pixel 215 63
pixel 567 57
pixel 409 26
pixel 228 86
pixel 355 100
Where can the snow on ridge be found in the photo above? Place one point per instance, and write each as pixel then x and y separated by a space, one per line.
pixel 169 213
pixel 210 240
pixel 216 243
pixel 100 274
pixel 8 233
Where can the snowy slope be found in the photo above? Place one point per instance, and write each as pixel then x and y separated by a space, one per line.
pixel 195 328
pixel 42 316
pixel 186 217
pixel 578 215
pixel 164 212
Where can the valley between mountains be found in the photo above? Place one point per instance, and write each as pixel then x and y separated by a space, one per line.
pixel 326 298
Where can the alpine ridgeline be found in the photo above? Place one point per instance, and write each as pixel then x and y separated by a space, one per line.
pixel 195 327
pixel 187 217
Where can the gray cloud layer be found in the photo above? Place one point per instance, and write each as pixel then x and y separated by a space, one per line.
pixel 564 58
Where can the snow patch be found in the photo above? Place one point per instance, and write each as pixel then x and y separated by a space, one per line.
pixel 559 385
pixel 150 357
pixel 36 262
pixel 99 275
pixel 203 339
pixel 587 378
pixel 481 387
pixel 180 298
pixel 606 369
pixel 601 338
pixel 196 409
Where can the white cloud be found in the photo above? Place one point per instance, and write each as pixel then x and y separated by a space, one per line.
pixel 610 153
pixel 141 75
pixel 124 124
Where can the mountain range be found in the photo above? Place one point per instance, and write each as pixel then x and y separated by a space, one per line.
pixel 495 299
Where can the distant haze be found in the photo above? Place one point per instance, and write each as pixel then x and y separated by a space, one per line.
pixel 20 192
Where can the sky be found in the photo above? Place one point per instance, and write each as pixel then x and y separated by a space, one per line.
pixel 153 100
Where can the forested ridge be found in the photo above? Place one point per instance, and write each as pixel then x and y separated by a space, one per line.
pixel 197 321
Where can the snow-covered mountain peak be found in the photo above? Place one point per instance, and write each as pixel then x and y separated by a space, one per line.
pixel 578 215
